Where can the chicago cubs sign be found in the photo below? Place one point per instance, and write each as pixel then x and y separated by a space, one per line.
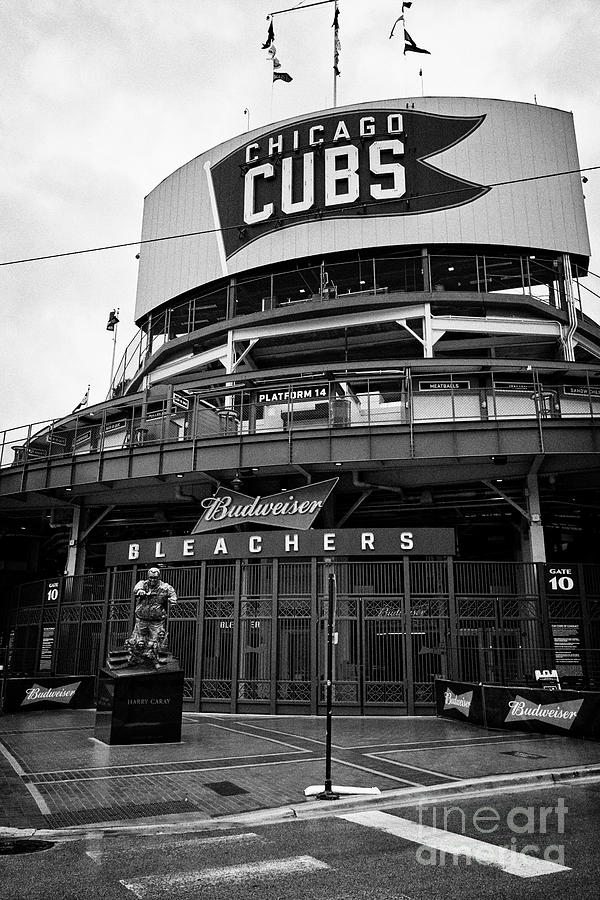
pixel 363 163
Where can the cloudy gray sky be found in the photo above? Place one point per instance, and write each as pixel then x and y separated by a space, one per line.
pixel 101 99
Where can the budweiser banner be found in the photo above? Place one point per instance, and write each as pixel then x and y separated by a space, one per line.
pixel 32 694
pixel 573 713
pixel 459 700
pixel 61 694
pixel 296 509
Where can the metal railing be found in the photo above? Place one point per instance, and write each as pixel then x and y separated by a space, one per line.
pixel 528 275
pixel 407 399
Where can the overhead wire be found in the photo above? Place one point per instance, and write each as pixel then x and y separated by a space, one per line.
pixel 355 207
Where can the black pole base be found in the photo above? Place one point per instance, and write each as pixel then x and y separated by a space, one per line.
pixel 327 795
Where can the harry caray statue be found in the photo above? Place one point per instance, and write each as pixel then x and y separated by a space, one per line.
pixel 146 645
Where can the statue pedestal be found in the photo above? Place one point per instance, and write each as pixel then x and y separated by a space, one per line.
pixel 139 705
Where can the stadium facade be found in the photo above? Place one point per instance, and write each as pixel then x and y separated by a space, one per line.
pixel 361 350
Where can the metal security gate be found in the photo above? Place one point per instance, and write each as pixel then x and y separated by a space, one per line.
pixel 250 634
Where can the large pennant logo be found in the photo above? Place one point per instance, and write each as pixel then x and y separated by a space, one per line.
pixel 288 509
pixel 37 693
pixel 560 714
pixel 366 163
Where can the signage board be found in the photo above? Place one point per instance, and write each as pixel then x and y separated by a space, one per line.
pixel 567 648
pixel 297 508
pixel 180 400
pixel 292 395
pixel 581 390
pixel 115 426
pixel 561 580
pixel 354 542
pixel 444 385
pixel 342 165
pixel 54 437
pixel 46 649
pixel 514 387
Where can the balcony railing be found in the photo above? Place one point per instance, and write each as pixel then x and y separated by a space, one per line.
pixel 356 400
pixel 529 275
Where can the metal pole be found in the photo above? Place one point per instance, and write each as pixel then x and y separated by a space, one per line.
pixel 112 363
pixel 328 794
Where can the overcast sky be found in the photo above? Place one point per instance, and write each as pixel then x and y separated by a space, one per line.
pixel 102 99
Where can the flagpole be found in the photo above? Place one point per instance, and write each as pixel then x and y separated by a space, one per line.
pixel 335 45
pixel 112 364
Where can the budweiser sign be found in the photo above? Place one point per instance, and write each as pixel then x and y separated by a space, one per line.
pixel 287 509
pixel 460 702
pixel 560 714
pixel 60 694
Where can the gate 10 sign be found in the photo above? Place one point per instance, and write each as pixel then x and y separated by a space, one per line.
pixel 561 579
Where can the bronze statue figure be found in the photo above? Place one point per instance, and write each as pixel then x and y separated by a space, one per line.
pixel 146 645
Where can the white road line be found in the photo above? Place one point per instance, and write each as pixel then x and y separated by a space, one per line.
pixel 286 733
pixel 424 748
pixel 190 882
pixel 189 762
pixel 394 762
pixel 20 771
pixel 160 774
pixel 344 762
pixel 510 861
pixel 263 737
pixel 196 843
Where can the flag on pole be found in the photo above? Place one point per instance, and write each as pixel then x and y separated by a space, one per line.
pixel 336 44
pixel 84 400
pixel 270 36
pixel 113 320
pixel 271 49
pixel 411 47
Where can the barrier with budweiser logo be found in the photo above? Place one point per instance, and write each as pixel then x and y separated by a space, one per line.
pixel 53 692
pixel 573 713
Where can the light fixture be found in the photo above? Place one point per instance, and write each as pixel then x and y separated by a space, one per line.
pixel 68 489
pixel 338 464
pixel 451 268
pixel 180 476
pixel 362 282
pixel 532 257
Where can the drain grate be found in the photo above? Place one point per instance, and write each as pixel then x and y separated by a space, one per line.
pixel 225 788
pixel 11 847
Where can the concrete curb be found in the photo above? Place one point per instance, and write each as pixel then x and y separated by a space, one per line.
pixel 469 787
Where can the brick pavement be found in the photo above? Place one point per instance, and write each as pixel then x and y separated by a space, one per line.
pixel 54 773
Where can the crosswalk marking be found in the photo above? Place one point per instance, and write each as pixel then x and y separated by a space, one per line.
pixel 197 843
pixel 510 861
pixel 189 882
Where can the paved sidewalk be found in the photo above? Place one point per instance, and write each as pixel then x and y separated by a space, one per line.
pixel 54 774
